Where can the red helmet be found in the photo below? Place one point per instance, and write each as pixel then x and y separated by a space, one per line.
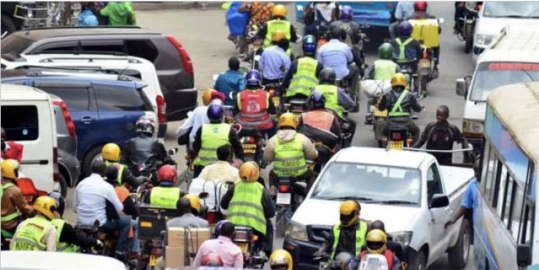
pixel 167 173
pixel 420 6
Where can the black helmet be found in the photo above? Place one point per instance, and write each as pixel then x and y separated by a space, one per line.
pixel 327 76
pixel 337 33
pixel 318 100
pixel 60 202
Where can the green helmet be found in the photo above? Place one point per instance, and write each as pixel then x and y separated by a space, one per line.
pixel 385 51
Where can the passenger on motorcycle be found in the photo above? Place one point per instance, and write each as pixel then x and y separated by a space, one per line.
pixel 253 106
pixel 248 203
pixel 277 23
pixel 164 195
pixel 384 68
pixel 346 23
pixel 281 260
pixel 347 236
pixel 400 103
pixel 394 247
pixel 221 170
pixel 377 244
pixel 231 80
pixel 406 49
pixel 111 154
pixel 275 61
pixel 211 136
pixel 420 12
pixel 14 205
pixel 302 76
pixel 37 233
pixel 230 254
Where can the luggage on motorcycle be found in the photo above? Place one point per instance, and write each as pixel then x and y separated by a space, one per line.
pixel 183 244
pixel 237 21
pixel 426 30
pixel 327 138
pixel 215 190
pixel 373 88
pixel 153 220
pixel 373 261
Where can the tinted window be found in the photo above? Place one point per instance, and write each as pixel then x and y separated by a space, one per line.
pixel 120 98
pixel 15 44
pixel 75 98
pixel 142 48
pixel 21 123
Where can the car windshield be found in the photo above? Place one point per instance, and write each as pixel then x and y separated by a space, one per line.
pixel 511 9
pixel 13 45
pixel 369 184
pixel 490 76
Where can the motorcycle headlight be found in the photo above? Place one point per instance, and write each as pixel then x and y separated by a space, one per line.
pixel 404 238
pixel 472 127
pixel 483 40
pixel 297 231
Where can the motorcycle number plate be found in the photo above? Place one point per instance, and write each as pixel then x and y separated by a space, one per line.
pixel 284 198
pixel 396 145
pixel 424 63
pixel 379 113
pixel 153 261
pixel 249 148
pixel 243 247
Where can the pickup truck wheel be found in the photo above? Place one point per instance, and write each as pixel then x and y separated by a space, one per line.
pixel 418 261
pixel 458 255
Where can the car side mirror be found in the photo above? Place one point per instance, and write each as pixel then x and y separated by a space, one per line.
pixel 524 257
pixel 439 201
pixel 300 188
pixel 461 87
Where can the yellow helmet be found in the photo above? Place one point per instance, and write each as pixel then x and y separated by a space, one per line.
pixel 206 96
pixel 10 169
pixel 277 35
pixel 46 206
pixel 349 213
pixel 194 200
pixel 281 259
pixel 288 120
pixel 398 80
pixel 249 172
pixel 278 11
pixel 111 152
pixel 376 241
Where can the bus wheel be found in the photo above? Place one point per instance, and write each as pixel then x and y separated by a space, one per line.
pixel 458 254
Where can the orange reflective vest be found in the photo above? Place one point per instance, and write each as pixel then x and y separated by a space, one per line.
pixel 319 119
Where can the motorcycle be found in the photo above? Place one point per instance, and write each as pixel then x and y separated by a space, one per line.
pixel 252 142
pixel 148 169
pixel 466 26
pixel 425 71
pixel 275 91
pixel 248 243
pixel 297 106
pixel 406 68
pixel 287 200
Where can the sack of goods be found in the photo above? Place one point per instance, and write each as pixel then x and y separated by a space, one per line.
pixel 375 88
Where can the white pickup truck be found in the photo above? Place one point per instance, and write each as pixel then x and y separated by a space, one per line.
pixel 408 191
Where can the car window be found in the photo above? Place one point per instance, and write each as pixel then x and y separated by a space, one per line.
pixel 15 44
pixel 21 123
pixel 142 48
pixel 75 98
pixel 434 185
pixel 121 98
pixel 61 126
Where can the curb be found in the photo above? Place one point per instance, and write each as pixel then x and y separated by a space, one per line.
pixel 148 6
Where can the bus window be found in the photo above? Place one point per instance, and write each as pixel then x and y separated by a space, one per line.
pixel 517 211
pixel 507 201
pixel 501 187
pixel 490 176
pixel 526 231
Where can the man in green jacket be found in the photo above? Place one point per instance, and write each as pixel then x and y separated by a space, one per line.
pixel 119 13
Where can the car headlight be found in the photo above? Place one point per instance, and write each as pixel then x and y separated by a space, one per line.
pixel 404 238
pixel 472 127
pixel 297 231
pixel 483 39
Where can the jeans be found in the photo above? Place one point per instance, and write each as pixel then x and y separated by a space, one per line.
pixel 123 225
pixel 135 244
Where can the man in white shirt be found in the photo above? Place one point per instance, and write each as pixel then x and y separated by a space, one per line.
pixel 92 197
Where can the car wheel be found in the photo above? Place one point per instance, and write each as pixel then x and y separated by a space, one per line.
pixel 63 185
pixel 418 262
pixel 458 255
pixel 89 159
pixel 7 25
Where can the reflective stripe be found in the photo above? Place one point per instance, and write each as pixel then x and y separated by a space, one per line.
pixel 253 115
pixel 402 47
pixel 360 237
pixel 274 25
pixel 397 109
pixel 29 236
pixel 304 80
pixel 246 206
pixel 212 137
pixel 255 217
pixel 164 197
pixel 331 93
pixel 11 216
pixel 289 157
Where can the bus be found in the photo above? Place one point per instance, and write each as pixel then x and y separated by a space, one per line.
pixel 505 214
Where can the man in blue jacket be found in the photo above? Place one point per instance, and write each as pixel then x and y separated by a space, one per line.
pixel 231 80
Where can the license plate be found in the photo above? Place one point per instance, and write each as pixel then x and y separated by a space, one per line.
pixel 424 63
pixel 379 113
pixel 153 261
pixel 284 198
pixel 396 145
pixel 243 247
pixel 249 148
pixel 276 101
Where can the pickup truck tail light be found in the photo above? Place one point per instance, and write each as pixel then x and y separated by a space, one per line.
pixel 161 109
pixel 67 116
pixel 186 60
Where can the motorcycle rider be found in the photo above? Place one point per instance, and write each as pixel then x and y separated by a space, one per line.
pixel 384 68
pixel 230 80
pixel 400 103
pixel 317 17
pixel 420 12
pixel 111 154
pixel 302 76
pixel 406 49
pixel 275 60
pixel 277 22
pixel 164 195
pixel 212 135
pixel 395 247
pixel 377 244
pixel 37 233
pixel 248 203
pixel 461 11
pixel 353 34
pixel 347 236
pixel 281 260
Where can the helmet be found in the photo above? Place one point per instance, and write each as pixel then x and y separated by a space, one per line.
pixel 167 173
pixel 217 230
pixel 111 174
pixel 211 259
pixel 337 33
pixel 376 241
pixel 349 213
pixel 385 51
pixel 278 11
pixel 281 259
pixel 343 259
pixel 10 169
pixel 145 125
pixel 405 28
pixel 318 100
pixel 420 6
pixel 309 45
pixel 277 35
pixel 398 80
pixel 327 76
pixel 194 200
pixel 253 78
pixel 207 96
pixel 288 120
pixel 215 113
pixel 46 206
pixel 347 13
pixel 60 202
pixel 111 152
pixel 249 172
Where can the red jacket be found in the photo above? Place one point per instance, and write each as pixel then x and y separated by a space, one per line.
pixel 253 106
pixel 13 151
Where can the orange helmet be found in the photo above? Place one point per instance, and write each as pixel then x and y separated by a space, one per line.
pixel 249 172
pixel 206 96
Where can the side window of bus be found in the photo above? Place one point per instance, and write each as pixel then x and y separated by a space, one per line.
pixel 490 168
pixel 434 185
pixel 501 194
pixel 516 210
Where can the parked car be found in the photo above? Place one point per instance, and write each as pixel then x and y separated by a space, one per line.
pixel 95 106
pixel 42 260
pixel 171 60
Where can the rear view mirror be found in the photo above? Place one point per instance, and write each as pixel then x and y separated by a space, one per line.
pixel 439 201
pixel 524 257
pixel 462 87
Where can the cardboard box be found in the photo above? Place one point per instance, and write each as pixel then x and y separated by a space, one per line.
pixel 175 257
pixel 181 242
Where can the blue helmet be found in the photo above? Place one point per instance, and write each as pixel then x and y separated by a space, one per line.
pixel 215 113
pixel 318 100
pixel 253 78
pixel 405 29
pixel 347 14
pixel 309 45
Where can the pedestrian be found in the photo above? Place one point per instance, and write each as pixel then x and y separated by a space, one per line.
pixel 119 13
pixel 87 15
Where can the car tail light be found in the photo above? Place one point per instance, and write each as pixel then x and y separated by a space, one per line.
pixel 67 116
pixel 56 174
pixel 186 60
pixel 249 139
pixel 284 188
pixel 396 136
pixel 161 109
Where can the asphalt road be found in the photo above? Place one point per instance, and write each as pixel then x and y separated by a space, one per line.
pixel 204 35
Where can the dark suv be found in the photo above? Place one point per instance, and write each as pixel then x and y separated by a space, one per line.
pixel 171 60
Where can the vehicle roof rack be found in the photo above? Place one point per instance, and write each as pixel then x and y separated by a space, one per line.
pixel 91 27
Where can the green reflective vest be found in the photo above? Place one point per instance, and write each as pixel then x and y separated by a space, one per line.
pixel 120 167
pixel 61 246
pixel 360 237
pixel 289 157
pixel 274 25
pixel 30 236
pixel 397 110
pixel 11 216
pixel 246 208
pixel 384 69
pixel 402 47
pixel 304 80
pixel 331 93
pixel 213 136
pixel 164 197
